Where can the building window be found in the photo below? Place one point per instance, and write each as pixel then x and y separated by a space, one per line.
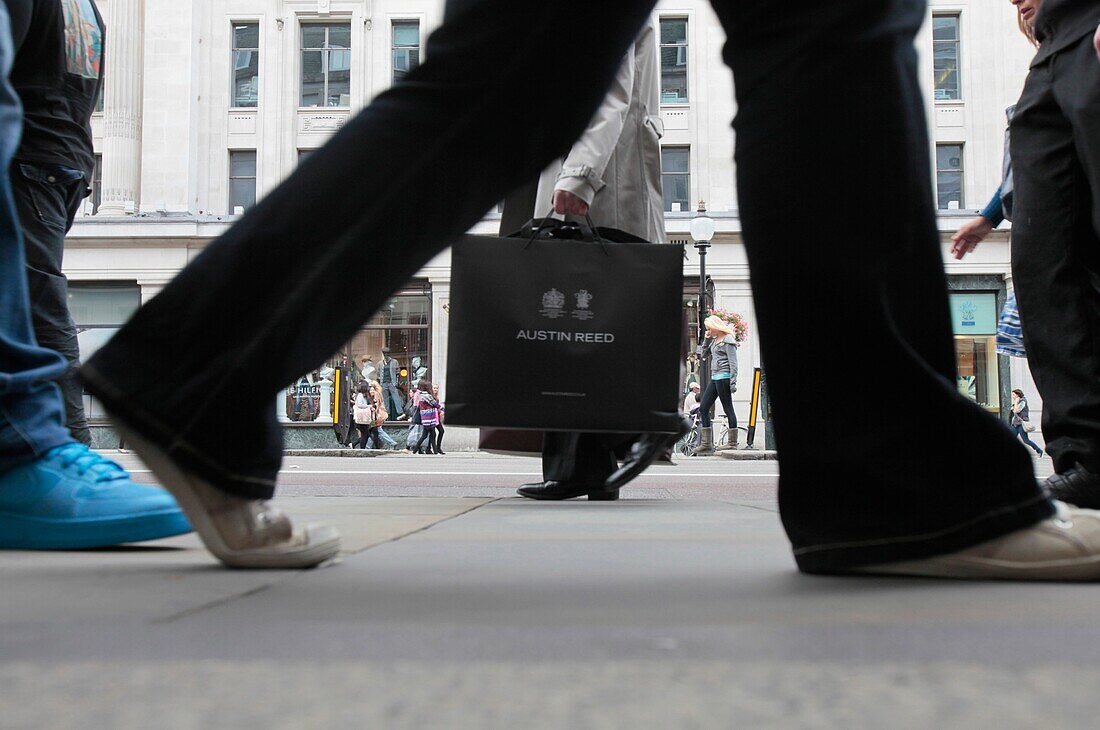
pixel 403 325
pixel 949 176
pixel 97 184
pixel 303 154
pixel 99 310
pixel 326 65
pixel 945 57
pixel 676 178
pixel 406 47
pixel 974 322
pixel 674 61
pixel 246 65
pixel 242 180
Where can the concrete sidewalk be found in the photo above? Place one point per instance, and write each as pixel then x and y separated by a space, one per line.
pixel 507 613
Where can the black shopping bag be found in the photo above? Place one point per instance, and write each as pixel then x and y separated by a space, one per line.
pixel 564 335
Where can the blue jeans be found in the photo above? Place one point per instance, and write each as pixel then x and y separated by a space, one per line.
pixel 32 415
pixel 431 154
pixel 1021 434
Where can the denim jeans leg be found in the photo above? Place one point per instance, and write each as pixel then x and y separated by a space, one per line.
pixel 31 412
pixel 196 369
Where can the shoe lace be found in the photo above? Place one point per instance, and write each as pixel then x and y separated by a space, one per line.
pixel 87 461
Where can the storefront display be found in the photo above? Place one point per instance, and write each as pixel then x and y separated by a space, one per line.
pixel 392 348
pixel 974 322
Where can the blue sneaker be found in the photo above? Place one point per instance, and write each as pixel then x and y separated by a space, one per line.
pixel 73 498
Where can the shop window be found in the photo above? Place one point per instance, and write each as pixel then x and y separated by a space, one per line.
pixel 974 321
pixel 99 310
pixel 403 325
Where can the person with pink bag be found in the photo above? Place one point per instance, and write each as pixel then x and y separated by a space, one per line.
pixel 429 419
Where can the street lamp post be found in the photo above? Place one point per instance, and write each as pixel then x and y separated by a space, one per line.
pixel 702 231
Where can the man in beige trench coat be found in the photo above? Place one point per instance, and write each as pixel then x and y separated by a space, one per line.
pixel 613 174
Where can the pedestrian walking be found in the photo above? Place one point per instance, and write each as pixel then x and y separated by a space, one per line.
pixel 429 419
pixel 439 430
pixel 55 493
pixel 1055 148
pixel 720 346
pixel 1020 420
pixel 58 74
pixel 467 126
pixel 364 414
pixel 611 176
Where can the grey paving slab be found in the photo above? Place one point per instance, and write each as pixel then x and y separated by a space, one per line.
pixel 155 581
pixel 508 613
pixel 644 694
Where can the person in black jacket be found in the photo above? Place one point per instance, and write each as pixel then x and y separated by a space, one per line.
pixel 58 73
pixel 1055 148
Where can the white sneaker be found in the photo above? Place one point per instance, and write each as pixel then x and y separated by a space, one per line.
pixel 1065 547
pixel 241 533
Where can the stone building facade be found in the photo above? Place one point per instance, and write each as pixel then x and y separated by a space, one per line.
pixel 209 104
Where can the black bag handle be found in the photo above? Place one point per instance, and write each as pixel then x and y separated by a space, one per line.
pixel 588 232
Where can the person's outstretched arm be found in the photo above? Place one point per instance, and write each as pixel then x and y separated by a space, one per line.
pixel 974 231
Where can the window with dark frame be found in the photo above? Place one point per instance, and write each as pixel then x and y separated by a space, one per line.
pixel 949 176
pixel 326 65
pixel 674 61
pixel 945 57
pixel 246 65
pixel 406 47
pixel 676 178
pixel 242 180
pixel 99 310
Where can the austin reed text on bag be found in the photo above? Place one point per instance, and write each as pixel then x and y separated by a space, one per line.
pixel 559 336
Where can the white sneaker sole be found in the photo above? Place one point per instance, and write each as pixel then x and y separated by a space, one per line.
pixel 323 541
pixel 974 568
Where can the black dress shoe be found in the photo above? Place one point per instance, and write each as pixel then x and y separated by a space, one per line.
pixel 567 490
pixel 1078 486
pixel 647 448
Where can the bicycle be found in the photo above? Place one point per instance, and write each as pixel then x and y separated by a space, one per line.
pixel 688 443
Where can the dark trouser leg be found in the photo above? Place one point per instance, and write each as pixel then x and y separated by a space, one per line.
pixel 884 501
pixel 364 434
pixel 584 458
pixel 706 403
pixel 439 431
pixel 47 197
pixel 1056 247
pixel 402 179
pixel 425 435
pixel 725 395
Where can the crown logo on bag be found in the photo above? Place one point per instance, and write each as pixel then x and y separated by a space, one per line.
pixel 553 302
pixel 583 299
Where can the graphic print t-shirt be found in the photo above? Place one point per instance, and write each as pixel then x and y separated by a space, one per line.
pixel 58 74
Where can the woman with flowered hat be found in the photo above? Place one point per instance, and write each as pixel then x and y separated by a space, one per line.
pixel 721 346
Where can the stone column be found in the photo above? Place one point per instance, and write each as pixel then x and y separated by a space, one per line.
pixel 122 102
